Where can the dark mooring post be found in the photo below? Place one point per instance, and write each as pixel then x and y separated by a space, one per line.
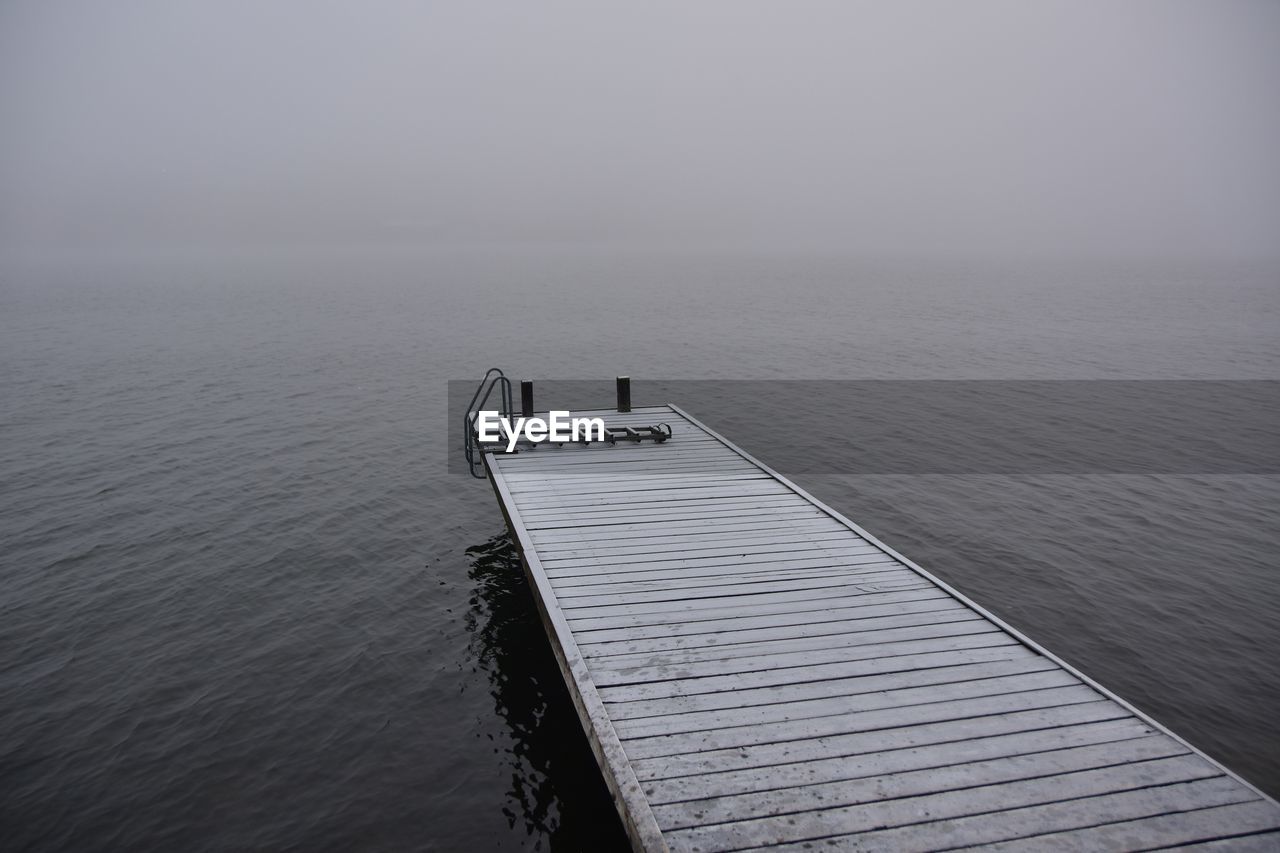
pixel 624 393
pixel 526 399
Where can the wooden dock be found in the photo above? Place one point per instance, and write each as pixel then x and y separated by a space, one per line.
pixel 753 671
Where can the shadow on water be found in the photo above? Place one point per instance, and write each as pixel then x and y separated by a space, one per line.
pixel 556 788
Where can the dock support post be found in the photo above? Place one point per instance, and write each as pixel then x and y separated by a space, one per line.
pixel 624 393
pixel 526 399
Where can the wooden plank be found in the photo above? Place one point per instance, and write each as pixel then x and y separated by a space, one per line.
pixel 670 455
pixel 596 484
pixel 851 556
pixel 938 657
pixel 825 706
pixel 620 709
pixel 869 596
pixel 982 815
pixel 681 611
pixel 607 673
pixel 1249 826
pixel 621 578
pixel 681 542
pixel 592 477
pixel 653 481
pixel 729 655
pixel 562 497
pixel 707 509
pixel 524 483
pixel 587 485
pixel 626 520
pixel 768 510
pixel 551 539
pixel 657 472
pixel 768 555
pixel 721 556
pixel 797 517
pixel 853 608
pixel 627 583
pixel 744 592
pixel 708 544
pixel 842 576
pixel 689 582
pixel 712 566
pixel 948 611
pixel 636 470
pixel 621 465
pixel 1069 815
pixel 957 734
pixel 711 576
pixel 787 523
pixel 888 763
pixel 726 507
pixel 1000 769
pixel 1238 819
pixel 662 500
pixel 856 721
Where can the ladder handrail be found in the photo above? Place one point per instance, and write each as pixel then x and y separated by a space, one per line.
pixel 493 377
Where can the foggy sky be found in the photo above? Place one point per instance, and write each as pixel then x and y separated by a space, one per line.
pixel 1077 128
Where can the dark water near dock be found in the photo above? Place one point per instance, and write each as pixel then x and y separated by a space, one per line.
pixel 246 605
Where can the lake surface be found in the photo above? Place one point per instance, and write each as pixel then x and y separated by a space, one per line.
pixel 246 604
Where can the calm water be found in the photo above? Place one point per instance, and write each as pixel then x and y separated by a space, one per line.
pixel 245 605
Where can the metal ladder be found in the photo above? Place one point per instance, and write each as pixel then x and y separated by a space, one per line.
pixel 493 378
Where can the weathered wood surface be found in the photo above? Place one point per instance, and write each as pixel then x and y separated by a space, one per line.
pixel 754 671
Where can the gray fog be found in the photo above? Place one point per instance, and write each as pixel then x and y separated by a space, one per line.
pixel 992 128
